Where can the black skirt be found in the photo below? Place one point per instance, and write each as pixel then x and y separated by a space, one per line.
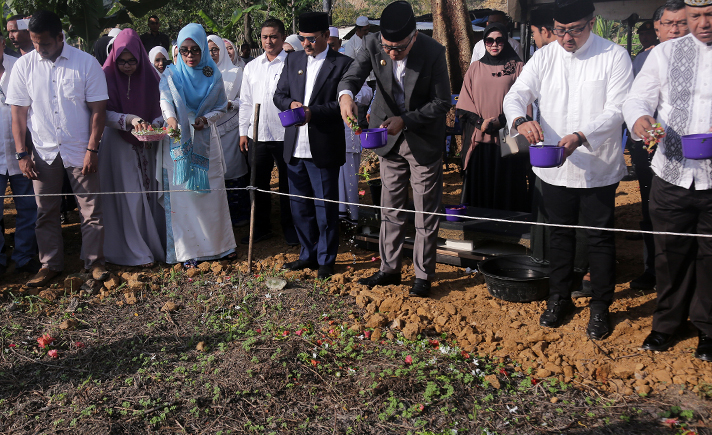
pixel 491 181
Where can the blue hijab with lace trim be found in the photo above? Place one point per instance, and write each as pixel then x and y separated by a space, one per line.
pixel 194 92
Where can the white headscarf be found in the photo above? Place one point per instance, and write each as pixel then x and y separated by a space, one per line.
pixel 152 56
pixel 238 60
pixel 113 33
pixel 231 74
pixel 174 51
pixel 293 40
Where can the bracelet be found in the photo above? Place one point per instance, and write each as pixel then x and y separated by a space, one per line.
pixel 579 138
pixel 93 151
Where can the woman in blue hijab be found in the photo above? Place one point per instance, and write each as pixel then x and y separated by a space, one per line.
pixel 192 99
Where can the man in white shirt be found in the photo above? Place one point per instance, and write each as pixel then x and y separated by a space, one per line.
pixel 676 82
pixel 25 240
pixel 580 82
pixel 315 150
pixel 671 21
pixel 496 17
pixel 60 93
pixel 259 82
pixel 355 44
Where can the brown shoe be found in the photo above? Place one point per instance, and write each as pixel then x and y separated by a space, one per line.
pixel 42 278
pixel 99 272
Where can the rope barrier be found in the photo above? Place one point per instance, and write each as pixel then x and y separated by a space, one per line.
pixel 478 218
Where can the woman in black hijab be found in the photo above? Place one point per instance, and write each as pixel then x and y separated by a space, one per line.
pixel 491 181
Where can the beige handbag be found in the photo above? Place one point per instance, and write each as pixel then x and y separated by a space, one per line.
pixel 510 146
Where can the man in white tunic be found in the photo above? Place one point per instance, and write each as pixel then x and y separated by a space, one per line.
pixel 580 82
pixel 676 81
pixel 60 93
pixel 479 49
pixel 355 44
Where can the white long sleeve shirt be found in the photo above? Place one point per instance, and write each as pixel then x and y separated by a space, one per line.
pixel 581 91
pixel 479 49
pixel 684 106
pixel 302 149
pixel 57 94
pixel 259 81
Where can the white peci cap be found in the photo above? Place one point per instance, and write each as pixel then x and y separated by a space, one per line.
pixel 362 21
pixel 333 32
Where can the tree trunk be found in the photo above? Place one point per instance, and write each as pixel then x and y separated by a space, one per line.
pixel 247 21
pixel 453 29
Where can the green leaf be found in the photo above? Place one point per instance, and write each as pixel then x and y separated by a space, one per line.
pixel 85 20
pixel 142 7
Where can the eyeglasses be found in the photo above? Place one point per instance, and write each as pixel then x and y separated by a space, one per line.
pixel 311 39
pixel 215 50
pixel 492 41
pixel 195 50
pixel 132 62
pixel 679 24
pixel 397 48
pixel 574 31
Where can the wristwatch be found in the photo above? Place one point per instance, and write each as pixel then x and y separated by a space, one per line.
pixel 519 121
pixel 22 155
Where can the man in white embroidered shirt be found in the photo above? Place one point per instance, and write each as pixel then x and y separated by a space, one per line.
pixel 676 80
pixel 581 82
pixel 60 93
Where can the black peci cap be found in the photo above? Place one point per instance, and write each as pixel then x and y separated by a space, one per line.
pixel 313 22
pixel 397 21
pixel 569 11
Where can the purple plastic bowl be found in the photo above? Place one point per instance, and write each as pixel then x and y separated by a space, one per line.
pixel 454 212
pixel 697 146
pixel 374 138
pixel 292 116
pixel 546 156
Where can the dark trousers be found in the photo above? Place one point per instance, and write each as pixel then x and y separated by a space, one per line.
pixel 683 264
pixel 316 222
pixel 596 206
pixel 541 235
pixel 267 155
pixel 641 162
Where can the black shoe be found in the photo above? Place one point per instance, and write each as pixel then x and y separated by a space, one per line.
pixel 257 237
pixel 381 278
pixel 646 281
pixel 657 341
pixel 33 266
pixel 555 312
pixel 421 288
pixel 598 326
pixel 300 264
pixel 290 236
pixel 325 271
pixel 584 290
pixel 704 348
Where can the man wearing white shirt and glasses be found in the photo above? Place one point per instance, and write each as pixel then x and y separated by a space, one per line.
pixel 60 93
pixel 676 81
pixel 580 82
pixel 259 81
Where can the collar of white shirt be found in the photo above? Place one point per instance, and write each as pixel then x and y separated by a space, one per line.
pixel 320 56
pixel 581 51
pixel 66 53
pixel 280 57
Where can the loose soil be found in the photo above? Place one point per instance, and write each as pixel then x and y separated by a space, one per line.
pixel 138 366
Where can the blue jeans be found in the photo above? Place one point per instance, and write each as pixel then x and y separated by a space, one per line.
pixel 25 239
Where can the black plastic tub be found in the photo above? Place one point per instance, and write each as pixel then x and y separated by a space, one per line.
pixel 515 278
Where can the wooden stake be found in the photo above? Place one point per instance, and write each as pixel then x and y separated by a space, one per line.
pixel 253 174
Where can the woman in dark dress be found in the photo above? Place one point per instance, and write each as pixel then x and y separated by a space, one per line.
pixel 491 181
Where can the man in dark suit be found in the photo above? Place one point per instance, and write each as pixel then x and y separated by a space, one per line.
pixel 412 100
pixel 315 150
